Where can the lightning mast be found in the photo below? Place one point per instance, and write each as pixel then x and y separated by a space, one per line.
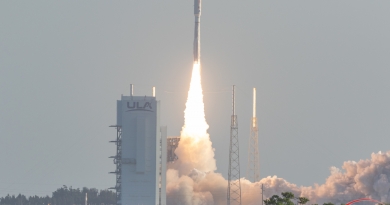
pixel 253 172
pixel 234 184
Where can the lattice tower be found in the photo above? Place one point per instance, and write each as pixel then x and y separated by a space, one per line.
pixel 234 184
pixel 118 162
pixel 253 170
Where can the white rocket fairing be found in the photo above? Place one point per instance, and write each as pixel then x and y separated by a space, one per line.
pixel 197 12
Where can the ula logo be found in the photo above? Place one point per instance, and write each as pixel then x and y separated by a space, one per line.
pixel 136 106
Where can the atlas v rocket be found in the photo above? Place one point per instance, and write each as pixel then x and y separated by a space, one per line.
pixel 197 12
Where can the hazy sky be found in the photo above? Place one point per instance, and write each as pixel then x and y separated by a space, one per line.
pixel 321 69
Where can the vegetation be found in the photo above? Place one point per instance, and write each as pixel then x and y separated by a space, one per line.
pixel 286 199
pixel 302 200
pixel 64 196
pixel 328 203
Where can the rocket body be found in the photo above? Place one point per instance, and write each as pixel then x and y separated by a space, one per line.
pixel 197 12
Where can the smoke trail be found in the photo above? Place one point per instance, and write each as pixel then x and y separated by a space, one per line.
pixel 191 179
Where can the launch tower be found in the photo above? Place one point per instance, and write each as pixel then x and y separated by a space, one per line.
pixel 172 144
pixel 234 183
pixel 253 173
pixel 141 151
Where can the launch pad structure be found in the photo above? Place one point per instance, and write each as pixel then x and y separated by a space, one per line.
pixel 253 170
pixel 140 151
pixel 117 161
pixel 172 143
pixel 234 183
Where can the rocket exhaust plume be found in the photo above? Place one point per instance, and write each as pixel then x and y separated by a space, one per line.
pixel 195 150
pixel 191 179
pixel 195 122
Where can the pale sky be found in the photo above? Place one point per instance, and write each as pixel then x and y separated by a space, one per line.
pixel 321 69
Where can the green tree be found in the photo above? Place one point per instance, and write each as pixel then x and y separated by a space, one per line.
pixel 329 203
pixel 287 195
pixel 302 200
pixel 277 200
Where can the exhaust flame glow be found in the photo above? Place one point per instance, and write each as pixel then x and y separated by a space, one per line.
pixel 195 149
pixel 195 164
pixel 195 124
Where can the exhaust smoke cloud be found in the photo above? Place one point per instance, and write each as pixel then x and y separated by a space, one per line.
pixel 191 180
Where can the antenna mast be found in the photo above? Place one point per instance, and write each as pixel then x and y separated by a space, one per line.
pixel 234 184
pixel 253 171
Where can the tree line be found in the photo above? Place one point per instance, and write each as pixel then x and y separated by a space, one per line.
pixel 64 196
pixel 287 199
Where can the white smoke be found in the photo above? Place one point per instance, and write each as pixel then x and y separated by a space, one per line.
pixel 382 187
pixel 366 178
pixel 363 179
pixel 191 180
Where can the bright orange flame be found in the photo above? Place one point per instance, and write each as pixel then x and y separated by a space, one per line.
pixel 195 124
